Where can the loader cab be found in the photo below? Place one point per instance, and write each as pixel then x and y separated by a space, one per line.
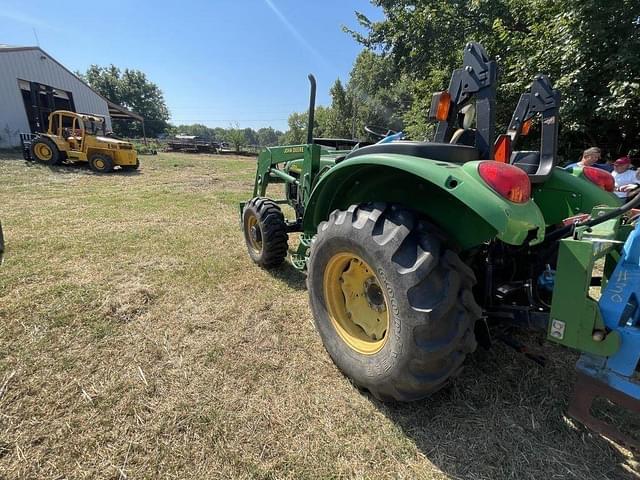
pixel 70 129
pixel 67 130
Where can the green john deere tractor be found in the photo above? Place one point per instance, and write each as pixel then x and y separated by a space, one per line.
pixel 414 249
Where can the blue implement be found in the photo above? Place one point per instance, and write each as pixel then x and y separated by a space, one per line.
pixel 617 377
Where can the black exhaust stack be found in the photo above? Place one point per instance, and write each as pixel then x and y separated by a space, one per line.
pixel 312 108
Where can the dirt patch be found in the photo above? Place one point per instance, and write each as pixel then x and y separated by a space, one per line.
pixel 129 303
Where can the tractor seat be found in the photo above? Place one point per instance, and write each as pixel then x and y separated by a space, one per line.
pixel 529 162
pixel 533 164
pixel 74 142
pixel 444 152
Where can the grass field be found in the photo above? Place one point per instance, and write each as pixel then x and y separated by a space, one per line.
pixel 138 341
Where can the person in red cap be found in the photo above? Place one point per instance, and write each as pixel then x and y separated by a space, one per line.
pixel 624 176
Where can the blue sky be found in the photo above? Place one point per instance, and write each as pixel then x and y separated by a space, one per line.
pixel 218 62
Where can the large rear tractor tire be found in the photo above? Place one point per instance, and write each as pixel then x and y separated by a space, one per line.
pixel 45 151
pixel 100 163
pixel 393 306
pixel 265 232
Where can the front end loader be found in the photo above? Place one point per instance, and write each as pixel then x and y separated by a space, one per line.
pixel 415 252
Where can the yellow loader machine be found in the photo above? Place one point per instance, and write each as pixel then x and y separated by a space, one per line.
pixel 81 137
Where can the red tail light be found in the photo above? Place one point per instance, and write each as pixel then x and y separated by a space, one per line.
pixel 600 177
pixel 508 181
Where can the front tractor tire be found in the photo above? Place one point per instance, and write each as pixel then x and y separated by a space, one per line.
pixel 393 306
pixel 100 163
pixel 45 151
pixel 265 232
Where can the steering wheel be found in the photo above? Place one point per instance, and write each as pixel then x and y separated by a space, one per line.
pixel 379 132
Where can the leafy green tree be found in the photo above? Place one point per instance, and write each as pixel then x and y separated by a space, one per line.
pixel 340 115
pixel 236 137
pixel 324 125
pixel 264 137
pixel 321 122
pixel 379 93
pixel 251 137
pixel 106 80
pixel 268 137
pixel 297 133
pixel 590 48
pixel 134 91
pixel 219 134
pixel 196 129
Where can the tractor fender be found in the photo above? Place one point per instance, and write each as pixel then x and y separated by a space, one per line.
pixel 565 194
pixel 452 196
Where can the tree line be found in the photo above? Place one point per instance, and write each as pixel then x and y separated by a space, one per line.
pixel 235 136
pixel 590 49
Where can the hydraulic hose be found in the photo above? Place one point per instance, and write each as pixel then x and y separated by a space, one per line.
pixel 634 202
pixel 567 231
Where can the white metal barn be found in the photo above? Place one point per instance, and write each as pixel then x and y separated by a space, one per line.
pixel 33 84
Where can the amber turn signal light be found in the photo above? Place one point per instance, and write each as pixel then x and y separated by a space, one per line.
pixel 502 149
pixel 440 106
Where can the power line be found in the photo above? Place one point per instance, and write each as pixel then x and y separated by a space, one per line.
pixel 240 120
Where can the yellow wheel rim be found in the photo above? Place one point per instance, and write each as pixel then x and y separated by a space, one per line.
pixel 357 303
pixel 43 152
pixel 99 164
pixel 254 234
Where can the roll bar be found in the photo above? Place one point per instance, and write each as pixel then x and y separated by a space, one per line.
pixel 541 99
pixel 477 78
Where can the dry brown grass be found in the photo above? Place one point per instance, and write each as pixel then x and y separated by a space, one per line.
pixel 138 341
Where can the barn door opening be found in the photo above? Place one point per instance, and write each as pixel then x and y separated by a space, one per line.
pixel 40 100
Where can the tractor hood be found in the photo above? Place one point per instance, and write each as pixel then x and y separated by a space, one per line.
pixel 113 140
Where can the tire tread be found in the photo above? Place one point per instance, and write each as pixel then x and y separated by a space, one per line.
pixel 442 321
pixel 274 231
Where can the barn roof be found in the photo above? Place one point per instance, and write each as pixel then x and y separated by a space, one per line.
pixel 115 111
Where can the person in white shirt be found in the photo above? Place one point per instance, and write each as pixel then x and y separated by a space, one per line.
pixel 623 175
